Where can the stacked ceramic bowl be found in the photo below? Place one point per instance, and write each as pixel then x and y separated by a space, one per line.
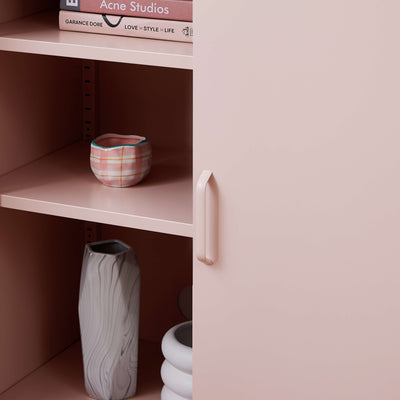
pixel 176 371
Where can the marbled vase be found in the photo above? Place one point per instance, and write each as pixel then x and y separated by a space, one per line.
pixel 109 319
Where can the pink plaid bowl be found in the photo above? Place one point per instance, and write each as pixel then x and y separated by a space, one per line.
pixel 120 160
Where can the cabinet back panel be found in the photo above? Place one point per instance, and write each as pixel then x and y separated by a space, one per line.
pixel 150 101
pixel 40 106
pixel 39 288
pixel 166 268
pixel 10 10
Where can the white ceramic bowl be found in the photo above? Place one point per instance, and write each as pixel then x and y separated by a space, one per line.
pixel 176 380
pixel 176 346
pixel 176 371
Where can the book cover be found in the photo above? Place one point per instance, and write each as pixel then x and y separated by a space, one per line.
pixel 179 10
pixel 180 31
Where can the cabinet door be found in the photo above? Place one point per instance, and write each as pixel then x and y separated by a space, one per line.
pixel 297 115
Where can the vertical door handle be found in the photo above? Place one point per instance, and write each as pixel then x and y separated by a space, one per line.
pixel 205 241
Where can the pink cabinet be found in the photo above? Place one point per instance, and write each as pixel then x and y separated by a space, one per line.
pixel 296 113
pixel 293 109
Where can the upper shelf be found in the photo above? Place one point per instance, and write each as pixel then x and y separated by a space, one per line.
pixel 39 34
pixel 62 184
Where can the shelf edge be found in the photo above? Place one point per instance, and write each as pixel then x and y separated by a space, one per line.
pixel 93 53
pixel 87 214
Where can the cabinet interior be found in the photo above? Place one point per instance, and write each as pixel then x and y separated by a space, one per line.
pixel 11 10
pixel 42 239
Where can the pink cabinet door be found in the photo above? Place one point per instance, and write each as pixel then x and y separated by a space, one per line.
pixel 297 116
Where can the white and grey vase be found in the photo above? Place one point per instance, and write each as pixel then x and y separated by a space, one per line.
pixel 109 319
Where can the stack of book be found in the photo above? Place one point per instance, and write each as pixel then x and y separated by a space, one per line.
pixel 154 19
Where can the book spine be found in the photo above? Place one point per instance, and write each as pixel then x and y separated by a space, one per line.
pixel 126 26
pixel 178 10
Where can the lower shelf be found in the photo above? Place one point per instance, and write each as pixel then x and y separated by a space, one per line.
pixel 62 377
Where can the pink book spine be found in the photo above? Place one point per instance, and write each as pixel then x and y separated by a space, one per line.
pixel 180 31
pixel 179 10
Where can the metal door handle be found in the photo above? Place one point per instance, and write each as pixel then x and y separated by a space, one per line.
pixel 205 245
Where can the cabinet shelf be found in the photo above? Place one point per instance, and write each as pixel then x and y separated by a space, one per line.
pixel 62 377
pixel 39 34
pixel 62 184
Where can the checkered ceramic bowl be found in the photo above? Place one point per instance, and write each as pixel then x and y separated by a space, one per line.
pixel 120 160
